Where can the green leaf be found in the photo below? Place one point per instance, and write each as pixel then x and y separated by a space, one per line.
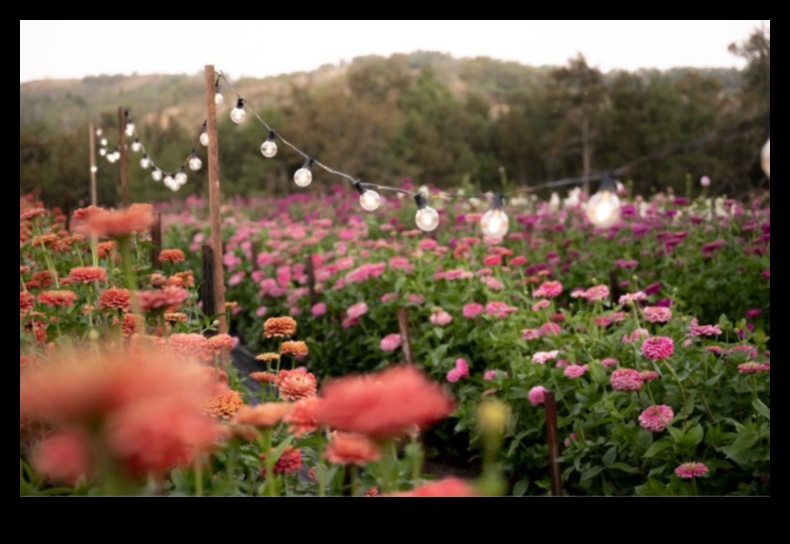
pixel 521 487
pixel 592 473
pixel 762 409
pixel 439 332
pixel 624 467
pixel 694 436
pixel 658 447
pixel 610 456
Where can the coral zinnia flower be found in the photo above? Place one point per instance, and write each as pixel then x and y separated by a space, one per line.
pixel 26 301
pixel 57 298
pixel 302 417
pixel 115 298
pixel 295 348
pixel 162 298
pixel 448 487
pixel 225 405
pixel 104 249
pixel 265 377
pixel 117 223
pixel 350 448
pixel 63 457
pixel 384 404
pixel 172 255
pixel 267 414
pixel 290 461
pixel 87 274
pixel 268 356
pixel 296 385
pixel 219 342
pixel 279 327
pixel 190 345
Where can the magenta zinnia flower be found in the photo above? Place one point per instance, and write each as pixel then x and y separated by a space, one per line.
pixel 691 469
pixel 656 418
pixel 658 348
pixel 536 395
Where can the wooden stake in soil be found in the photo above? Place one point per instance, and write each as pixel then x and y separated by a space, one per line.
pixel 311 279
pixel 124 159
pixel 156 241
pixel 92 140
pixel 207 289
pixel 403 325
pixel 554 446
pixel 214 196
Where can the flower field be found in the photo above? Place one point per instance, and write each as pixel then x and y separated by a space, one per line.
pixel 652 336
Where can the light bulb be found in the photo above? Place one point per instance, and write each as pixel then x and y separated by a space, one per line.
pixel 103 142
pixel 156 175
pixel 130 129
pixel 94 169
pixel 181 177
pixel 145 162
pixel 98 132
pixel 304 176
pixel 137 146
pixel 603 209
pixel 237 114
pixel 111 157
pixel 427 218
pixel 102 151
pixel 369 200
pixel 204 138
pixel 218 98
pixel 195 163
pixel 269 147
pixel 171 183
pixel 495 223
pixel 765 158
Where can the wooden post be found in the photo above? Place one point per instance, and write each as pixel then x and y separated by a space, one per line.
pixel 403 325
pixel 311 279
pixel 554 446
pixel 214 196
pixel 156 242
pixel 207 288
pixel 92 140
pixel 124 158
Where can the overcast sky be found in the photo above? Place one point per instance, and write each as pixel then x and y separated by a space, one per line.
pixel 74 49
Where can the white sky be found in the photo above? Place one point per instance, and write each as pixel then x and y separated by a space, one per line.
pixel 74 49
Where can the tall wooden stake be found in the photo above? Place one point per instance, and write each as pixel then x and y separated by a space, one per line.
pixel 214 196
pixel 554 446
pixel 92 140
pixel 207 288
pixel 124 158
pixel 403 325
pixel 156 241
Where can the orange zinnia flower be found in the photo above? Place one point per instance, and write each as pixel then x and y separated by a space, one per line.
pixel 26 301
pixel 191 345
pixel 266 377
pixel 87 274
pixel 302 418
pixel 294 347
pixel 172 255
pixel 162 298
pixel 279 327
pixel 105 248
pixel 63 457
pixel 267 414
pixel 57 298
pixel 219 342
pixel 350 448
pixel 117 223
pixel 295 384
pixel 224 405
pixel 448 487
pixel 115 298
pixel 384 404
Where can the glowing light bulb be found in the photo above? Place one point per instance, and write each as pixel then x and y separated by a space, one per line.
pixel 181 177
pixel 145 162
pixel 171 183
pixel 156 175
pixel 137 146
pixel 103 142
pixel 603 209
pixel 204 138
pixel 269 147
pixel 304 176
pixel 194 162
pixel 765 158
pixel 111 157
pixel 218 98
pixel 102 151
pixel 369 200
pixel 237 114
pixel 94 169
pixel 495 222
pixel 98 132
pixel 130 129
pixel 427 218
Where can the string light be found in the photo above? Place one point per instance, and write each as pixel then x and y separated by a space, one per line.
pixel 204 133
pixel 171 183
pixel 181 177
pixel 103 142
pixel 136 145
pixel 269 146
pixel 102 151
pixel 427 218
pixel 145 162
pixel 129 126
pixel 368 198
pixel 765 158
pixel 111 157
pixel 94 169
pixel 194 162
pixel 237 114
pixel 156 174
pixel 99 131
pixel 603 209
pixel 495 222
pixel 304 176
pixel 219 100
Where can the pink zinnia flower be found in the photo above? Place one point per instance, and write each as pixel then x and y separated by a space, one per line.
pixel 473 309
pixel 518 261
pixel 703 330
pixel 357 310
pixel 632 297
pixel 531 334
pixel 657 314
pixel 656 418
pixel 440 317
pixel 319 309
pixel 648 375
pixel 388 297
pixel 492 260
pixel 635 336
pixel 490 375
pixel 539 305
pixel 462 367
pixel 499 309
pixel 596 293
pixel 691 470
pixel 626 379
pixel 549 289
pixel 416 299
pixel 391 342
pixel 609 361
pixel 536 395
pixel 550 329
pixel 658 348
pixel 494 284
pixel 542 357
pixel 575 371
pixel 751 368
